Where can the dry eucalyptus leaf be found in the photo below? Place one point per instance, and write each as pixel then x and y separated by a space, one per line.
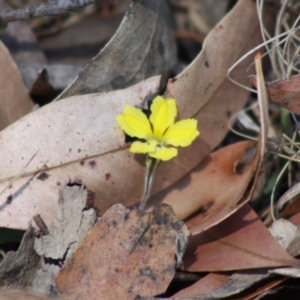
pixel 126 254
pixel 17 268
pixel 232 169
pixel 70 226
pixel 142 47
pixel 284 93
pixel 15 101
pixel 239 242
pixel 69 141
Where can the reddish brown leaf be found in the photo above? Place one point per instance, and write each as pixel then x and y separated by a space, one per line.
pixel 284 93
pixel 127 253
pixel 239 242
pixel 231 170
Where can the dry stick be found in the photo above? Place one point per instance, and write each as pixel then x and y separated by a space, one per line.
pixel 49 8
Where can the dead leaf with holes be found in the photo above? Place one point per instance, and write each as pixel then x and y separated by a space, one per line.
pixel 130 253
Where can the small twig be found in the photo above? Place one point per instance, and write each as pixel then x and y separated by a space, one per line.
pixel 49 8
pixel 41 224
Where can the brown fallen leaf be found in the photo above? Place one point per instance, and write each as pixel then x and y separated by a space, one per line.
pixel 284 93
pixel 239 242
pixel 130 253
pixel 15 101
pixel 231 169
pixel 142 47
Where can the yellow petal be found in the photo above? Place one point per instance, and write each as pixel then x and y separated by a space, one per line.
pixel 162 116
pixel 143 147
pixel 181 133
pixel 135 123
pixel 164 153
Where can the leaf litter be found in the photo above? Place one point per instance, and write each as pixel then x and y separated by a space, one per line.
pixel 95 141
pixel 196 98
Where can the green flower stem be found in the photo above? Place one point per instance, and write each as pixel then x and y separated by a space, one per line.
pixel 151 166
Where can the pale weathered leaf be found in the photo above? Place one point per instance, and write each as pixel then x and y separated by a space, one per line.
pixel 76 139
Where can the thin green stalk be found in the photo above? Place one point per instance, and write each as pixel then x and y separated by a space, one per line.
pixel 151 166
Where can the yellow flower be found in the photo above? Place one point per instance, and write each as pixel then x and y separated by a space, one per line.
pixel 159 131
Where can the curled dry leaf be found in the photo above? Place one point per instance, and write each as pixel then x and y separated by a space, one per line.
pixel 142 47
pixel 130 253
pixel 78 140
pixel 284 93
pixel 232 169
pixel 15 101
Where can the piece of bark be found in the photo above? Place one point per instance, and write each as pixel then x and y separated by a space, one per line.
pixel 48 8
pixel 17 268
pixel 69 228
